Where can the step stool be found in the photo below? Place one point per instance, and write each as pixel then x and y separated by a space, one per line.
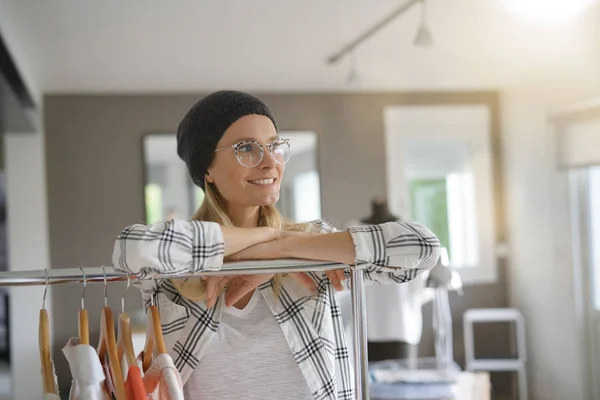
pixel 479 315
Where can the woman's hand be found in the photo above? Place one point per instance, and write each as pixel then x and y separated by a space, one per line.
pixel 214 287
pixel 240 285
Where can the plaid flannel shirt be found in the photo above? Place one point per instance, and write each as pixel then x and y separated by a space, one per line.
pixel 393 252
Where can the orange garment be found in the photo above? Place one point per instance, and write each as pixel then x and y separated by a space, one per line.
pixel 134 385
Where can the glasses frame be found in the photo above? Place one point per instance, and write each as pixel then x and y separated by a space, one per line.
pixel 269 146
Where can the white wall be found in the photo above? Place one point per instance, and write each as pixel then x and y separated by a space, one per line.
pixel 24 162
pixel 28 249
pixel 541 271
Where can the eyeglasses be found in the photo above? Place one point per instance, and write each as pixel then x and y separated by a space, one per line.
pixel 250 153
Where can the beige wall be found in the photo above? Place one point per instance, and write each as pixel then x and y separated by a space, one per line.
pixel 95 180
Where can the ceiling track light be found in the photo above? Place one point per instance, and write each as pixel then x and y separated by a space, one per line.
pixel 423 37
pixel 351 46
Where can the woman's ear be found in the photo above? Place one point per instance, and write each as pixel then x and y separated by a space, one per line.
pixel 208 178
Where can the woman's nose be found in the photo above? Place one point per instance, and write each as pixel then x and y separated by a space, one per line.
pixel 268 161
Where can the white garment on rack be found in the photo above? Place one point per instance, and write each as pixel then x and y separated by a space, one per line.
pixel 394 312
pixel 248 358
pixel 86 371
pixel 162 380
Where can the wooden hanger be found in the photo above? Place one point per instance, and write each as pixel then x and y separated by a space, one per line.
pixel 84 330
pixel 48 381
pixel 154 336
pixel 124 342
pixel 108 346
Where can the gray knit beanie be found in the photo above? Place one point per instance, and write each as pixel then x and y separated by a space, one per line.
pixel 204 125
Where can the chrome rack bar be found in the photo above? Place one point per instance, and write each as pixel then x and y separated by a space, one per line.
pixel 97 274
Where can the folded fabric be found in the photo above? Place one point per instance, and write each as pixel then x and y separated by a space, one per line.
pixel 86 372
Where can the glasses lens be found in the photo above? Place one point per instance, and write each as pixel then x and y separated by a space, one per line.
pixel 281 151
pixel 249 154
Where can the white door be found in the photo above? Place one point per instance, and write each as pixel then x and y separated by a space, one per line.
pixel 586 224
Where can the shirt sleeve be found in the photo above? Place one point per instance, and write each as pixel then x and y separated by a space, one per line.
pixel 172 247
pixel 394 251
pixel 391 252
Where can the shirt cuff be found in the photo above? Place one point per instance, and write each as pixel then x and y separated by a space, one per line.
pixel 368 244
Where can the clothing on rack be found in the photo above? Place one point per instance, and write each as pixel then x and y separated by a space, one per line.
pixel 86 372
pixel 162 380
pixel 134 384
pixel 388 253
pixel 108 382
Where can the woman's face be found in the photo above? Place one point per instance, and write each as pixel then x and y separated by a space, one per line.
pixel 238 184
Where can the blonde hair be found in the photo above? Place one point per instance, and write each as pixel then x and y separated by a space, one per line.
pixel 213 209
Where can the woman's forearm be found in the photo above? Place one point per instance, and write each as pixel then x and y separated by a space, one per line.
pixel 334 247
pixel 238 239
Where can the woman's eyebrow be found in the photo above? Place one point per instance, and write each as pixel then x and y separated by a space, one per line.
pixel 249 139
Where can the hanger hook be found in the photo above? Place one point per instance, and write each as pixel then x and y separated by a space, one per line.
pixel 105 287
pixel 84 287
pixel 45 290
pixel 124 293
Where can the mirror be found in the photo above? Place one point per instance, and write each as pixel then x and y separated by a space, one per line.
pixel 169 192
pixel 439 168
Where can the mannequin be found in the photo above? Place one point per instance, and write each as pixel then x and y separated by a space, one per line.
pixel 394 316
pixel 380 213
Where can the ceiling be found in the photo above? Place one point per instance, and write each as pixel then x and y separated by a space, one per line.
pixel 83 46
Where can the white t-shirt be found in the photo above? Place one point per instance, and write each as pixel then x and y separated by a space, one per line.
pixel 248 358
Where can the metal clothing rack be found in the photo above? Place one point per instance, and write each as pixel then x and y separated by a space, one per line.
pixel 109 274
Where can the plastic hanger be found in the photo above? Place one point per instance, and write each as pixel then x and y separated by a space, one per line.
pixel 154 336
pixel 124 342
pixel 84 330
pixel 108 346
pixel 48 380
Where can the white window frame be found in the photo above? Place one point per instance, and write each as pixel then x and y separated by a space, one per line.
pixel 471 122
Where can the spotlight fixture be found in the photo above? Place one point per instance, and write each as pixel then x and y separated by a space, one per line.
pixel 423 37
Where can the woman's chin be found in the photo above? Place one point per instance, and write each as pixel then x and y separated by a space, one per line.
pixel 268 200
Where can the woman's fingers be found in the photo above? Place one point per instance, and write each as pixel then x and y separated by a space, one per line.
pixel 340 274
pixel 305 280
pixel 335 280
pixel 214 288
pixel 237 290
pixel 240 286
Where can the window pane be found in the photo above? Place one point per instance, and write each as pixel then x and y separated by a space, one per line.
pixel 429 206
pixel 442 195
pixel 153 197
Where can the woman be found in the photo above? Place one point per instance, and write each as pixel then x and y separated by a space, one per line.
pixel 257 336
